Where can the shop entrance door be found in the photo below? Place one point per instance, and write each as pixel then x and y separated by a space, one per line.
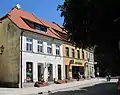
pixel 59 72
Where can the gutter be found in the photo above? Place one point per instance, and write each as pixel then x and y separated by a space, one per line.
pixel 21 35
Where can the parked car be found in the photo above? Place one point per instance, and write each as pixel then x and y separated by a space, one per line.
pixel 118 85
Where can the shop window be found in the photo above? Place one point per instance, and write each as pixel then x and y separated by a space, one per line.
pixel 29 72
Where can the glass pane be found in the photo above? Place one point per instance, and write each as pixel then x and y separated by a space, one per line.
pixel 39 48
pixel 27 46
pixel 49 50
pixel 29 72
pixel 30 47
pixel 39 42
pixel 57 52
pixel 28 39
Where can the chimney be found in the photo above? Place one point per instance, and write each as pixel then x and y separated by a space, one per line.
pixel 18 6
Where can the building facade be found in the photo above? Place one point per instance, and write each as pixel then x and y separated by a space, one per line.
pixel 73 61
pixel 41 57
pixel 89 64
pixel 32 49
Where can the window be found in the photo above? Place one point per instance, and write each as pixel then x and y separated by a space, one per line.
pixel 29 44
pixel 78 53
pixel 29 71
pixel 40 27
pixel 89 56
pixel 39 46
pixel 49 48
pixel 86 55
pixel 67 51
pixel 82 54
pixel 73 53
pixel 57 50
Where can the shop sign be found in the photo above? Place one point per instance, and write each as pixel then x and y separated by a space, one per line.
pixel 79 63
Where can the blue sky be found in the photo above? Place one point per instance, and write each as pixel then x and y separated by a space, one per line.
pixel 45 9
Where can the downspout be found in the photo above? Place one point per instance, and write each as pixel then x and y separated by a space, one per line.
pixel 21 35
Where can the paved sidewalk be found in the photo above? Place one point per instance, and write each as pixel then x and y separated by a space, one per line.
pixel 52 87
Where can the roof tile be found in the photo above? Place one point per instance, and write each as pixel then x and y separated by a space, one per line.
pixel 16 16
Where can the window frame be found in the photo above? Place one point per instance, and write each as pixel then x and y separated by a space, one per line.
pixel 67 52
pixel 78 53
pixel 83 55
pixel 58 48
pixel 39 45
pixel 73 53
pixel 40 27
pixel 49 45
pixel 29 41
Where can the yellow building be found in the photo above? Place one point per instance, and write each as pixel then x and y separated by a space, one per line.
pixel 73 59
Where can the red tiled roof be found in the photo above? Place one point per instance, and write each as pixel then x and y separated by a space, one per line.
pixel 16 15
pixel 52 25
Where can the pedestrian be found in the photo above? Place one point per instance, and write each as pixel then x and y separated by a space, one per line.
pixel 78 76
pixel 108 77
pixel 98 74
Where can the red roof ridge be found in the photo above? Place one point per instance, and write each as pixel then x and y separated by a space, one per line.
pixel 57 34
pixel 53 25
pixel 49 27
pixel 39 20
pixel 17 16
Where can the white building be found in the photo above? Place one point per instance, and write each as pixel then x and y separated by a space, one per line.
pixel 89 65
pixel 32 49
pixel 43 54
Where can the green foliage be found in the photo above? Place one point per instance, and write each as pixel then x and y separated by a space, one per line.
pixel 92 23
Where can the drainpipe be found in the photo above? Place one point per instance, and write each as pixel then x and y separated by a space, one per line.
pixel 21 35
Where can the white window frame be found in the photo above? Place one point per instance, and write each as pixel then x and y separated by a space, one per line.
pixel 58 48
pixel 67 52
pixel 30 42
pixel 49 45
pixel 73 53
pixel 78 53
pixel 39 45
pixel 87 55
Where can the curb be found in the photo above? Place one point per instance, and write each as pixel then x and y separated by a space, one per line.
pixel 56 90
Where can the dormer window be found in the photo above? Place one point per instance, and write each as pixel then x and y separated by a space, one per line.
pixel 35 25
pixel 40 27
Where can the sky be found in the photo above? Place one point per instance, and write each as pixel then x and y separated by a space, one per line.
pixel 45 9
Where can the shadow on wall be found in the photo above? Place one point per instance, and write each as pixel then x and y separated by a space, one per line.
pixel 9 85
pixel 98 89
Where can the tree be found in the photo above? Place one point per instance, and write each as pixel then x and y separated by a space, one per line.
pixel 92 23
